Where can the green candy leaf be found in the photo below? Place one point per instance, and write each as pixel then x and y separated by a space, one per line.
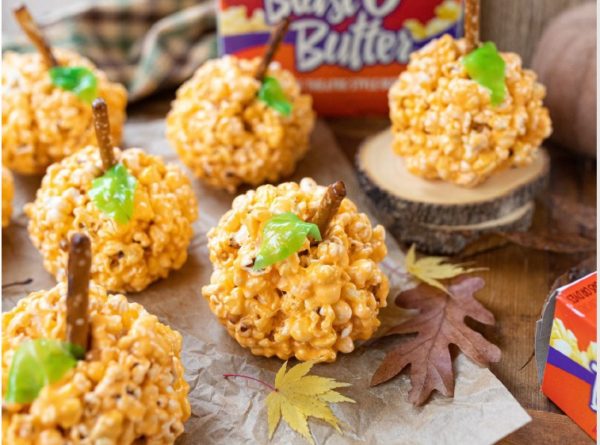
pixel 486 67
pixel 77 79
pixel 272 94
pixel 38 363
pixel 282 236
pixel 113 193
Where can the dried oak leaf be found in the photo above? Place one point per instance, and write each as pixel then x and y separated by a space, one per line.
pixel 439 324
pixel 551 242
pixel 584 216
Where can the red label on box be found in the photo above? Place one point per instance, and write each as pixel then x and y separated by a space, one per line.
pixel 345 53
pixel 570 374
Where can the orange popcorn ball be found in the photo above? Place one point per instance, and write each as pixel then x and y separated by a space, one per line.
pixel 227 136
pixel 445 126
pixel 8 191
pixel 315 303
pixel 129 387
pixel 126 257
pixel 42 123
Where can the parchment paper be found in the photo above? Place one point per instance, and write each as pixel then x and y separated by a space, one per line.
pixel 232 411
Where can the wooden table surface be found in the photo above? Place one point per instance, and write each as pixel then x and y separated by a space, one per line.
pixel 518 281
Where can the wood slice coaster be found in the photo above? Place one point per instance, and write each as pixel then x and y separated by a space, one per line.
pixel 442 217
pixel 451 240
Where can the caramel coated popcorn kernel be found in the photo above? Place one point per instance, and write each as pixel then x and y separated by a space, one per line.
pixel 8 192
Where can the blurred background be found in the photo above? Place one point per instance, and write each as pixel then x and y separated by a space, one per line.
pixel 152 46
pixel 41 9
pixel 564 58
pixel 515 25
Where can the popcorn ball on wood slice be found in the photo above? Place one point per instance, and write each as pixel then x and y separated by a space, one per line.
pixel 241 121
pixel 296 271
pixel 462 157
pixel 46 113
pixel 137 210
pixel 80 365
pixel 449 126
pixel 8 191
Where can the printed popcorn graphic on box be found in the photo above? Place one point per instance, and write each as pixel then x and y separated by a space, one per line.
pixel 346 53
pixel 570 373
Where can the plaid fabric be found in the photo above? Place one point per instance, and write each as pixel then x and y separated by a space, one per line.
pixel 146 45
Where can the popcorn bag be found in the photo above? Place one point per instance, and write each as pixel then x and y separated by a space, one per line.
pixel 346 54
pixel 570 373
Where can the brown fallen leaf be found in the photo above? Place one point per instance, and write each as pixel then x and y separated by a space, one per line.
pixel 551 242
pixel 584 216
pixel 572 225
pixel 439 323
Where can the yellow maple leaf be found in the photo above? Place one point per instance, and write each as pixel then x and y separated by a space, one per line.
pixel 430 269
pixel 298 396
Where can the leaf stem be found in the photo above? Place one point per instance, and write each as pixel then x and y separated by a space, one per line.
pixel 17 283
pixel 32 30
pixel 394 270
pixel 471 18
pixel 102 127
pixel 78 280
pixel 268 385
pixel 274 41
pixel 329 205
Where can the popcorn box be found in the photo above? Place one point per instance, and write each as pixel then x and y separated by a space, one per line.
pixel 345 53
pixel 569 378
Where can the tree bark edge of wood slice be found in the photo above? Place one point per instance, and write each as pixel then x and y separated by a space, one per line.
pixel 401 197
pixel 453 241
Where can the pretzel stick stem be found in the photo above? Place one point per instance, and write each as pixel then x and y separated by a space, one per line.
pixel 274 41
pixel 329 205
pixel 78 280
pixel 472 24
pixel 102 127
pixel 34 33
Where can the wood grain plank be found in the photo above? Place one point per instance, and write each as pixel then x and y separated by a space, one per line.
pixel 549 429
pixel 516 288
pixel 519 279
pixel 517 283
pixel 517 25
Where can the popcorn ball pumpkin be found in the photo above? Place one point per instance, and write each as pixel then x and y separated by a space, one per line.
pixel 46 113
pixel 8 191
pixel 82 366
pixel 241 121
pixel 462 158
pixel 296 271
pixel 137 210
pixel 461 114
